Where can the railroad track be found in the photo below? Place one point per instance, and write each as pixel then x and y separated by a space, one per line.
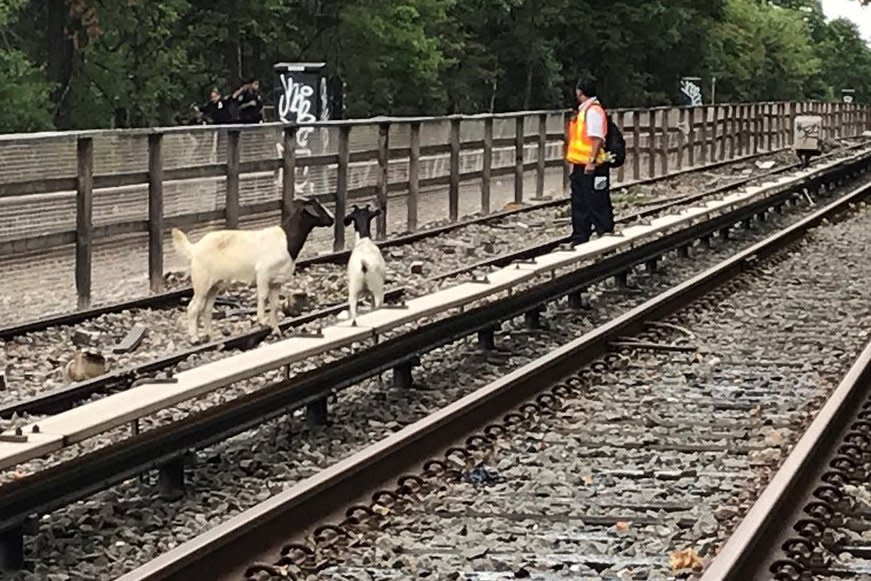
pixel 176 296
pixel 812 520
pixel 36 386
pixel 51 488
pixel 625 453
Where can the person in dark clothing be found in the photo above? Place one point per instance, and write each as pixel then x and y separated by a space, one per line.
pixel 250 102
pixel 590 177
pixel 216 111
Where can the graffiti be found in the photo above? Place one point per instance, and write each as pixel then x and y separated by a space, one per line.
pixel 808 129
pixel 295 104
pixel 692 91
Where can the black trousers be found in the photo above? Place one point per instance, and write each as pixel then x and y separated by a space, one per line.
pixel 591 203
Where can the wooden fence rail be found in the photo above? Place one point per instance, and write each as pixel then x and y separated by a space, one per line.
pixel 667 139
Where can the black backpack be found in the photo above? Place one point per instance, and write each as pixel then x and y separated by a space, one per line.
pixel 614 143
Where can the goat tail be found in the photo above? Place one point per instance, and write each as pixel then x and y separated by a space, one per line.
pixel 363 267
pixel 182 245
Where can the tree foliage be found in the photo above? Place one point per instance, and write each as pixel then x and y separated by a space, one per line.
pixel 110 63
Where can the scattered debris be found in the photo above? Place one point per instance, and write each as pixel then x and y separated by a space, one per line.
pixel 766 164
pixel 480 474
pixel 417 267
pixel 621 526
pixel 686 559
pixel 85 365
pixel 380 509
pixel 132 340
pixel 84 338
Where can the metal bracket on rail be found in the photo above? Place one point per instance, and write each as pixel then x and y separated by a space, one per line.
pixel 517 263
pixel 402 376
pixel 147 380
pixel 319 334
pixel 17 438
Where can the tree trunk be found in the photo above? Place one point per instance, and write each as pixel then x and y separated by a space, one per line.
pixel 234 47
pixel 527 93
pixel 61 55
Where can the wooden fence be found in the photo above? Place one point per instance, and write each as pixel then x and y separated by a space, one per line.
pixel 74 188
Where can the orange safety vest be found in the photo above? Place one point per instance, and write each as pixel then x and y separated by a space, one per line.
pixel 579 146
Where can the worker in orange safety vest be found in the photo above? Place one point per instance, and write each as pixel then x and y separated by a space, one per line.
pixel 590 176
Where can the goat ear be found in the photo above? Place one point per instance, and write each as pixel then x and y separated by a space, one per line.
pixel 376 212
pixel 348 220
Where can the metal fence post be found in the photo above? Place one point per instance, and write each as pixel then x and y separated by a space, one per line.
pixel 155 211
pixel 232 199
pixel 84 218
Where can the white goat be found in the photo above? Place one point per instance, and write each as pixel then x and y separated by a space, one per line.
pixel 266 257
pixel 366 268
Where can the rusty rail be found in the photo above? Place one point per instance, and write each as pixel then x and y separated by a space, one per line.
pixel 226 550
pixel 777 536
pixel 765 129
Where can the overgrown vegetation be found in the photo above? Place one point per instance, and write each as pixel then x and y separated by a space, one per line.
pixel 103 63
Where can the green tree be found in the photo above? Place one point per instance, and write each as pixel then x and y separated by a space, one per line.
pixel 24 89
pixel 846 59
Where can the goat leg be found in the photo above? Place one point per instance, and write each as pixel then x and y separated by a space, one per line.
pixel 376 289
pixel 352 304
pixel 262 295
pixel 207 312
pixel 194 310
pixel 273 308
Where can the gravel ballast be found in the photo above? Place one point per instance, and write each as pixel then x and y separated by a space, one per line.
pixel 655 460
pixel 34 362
pixel 122 527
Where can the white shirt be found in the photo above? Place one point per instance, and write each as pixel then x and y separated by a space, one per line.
pixel 595 119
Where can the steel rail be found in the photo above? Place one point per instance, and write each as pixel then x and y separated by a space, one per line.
pixel 64 398
pixel 224 551
pixel 175 297
pixel 758 541
pixel 67 482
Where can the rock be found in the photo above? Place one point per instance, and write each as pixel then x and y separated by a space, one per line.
pixel 85 338
pixel 85 365
pixel 417 267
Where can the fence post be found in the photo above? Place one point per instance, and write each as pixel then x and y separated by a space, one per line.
pixel 84 215
pixel 704 132
pixel 231 211
pixel 155 212
pixel 487 167
pixel 691 135
pixel 732 128
pixel 754 128
pixel 720 131
pixel 341 187
pixel 541 166
pixel 790 137
pixel 288 170
pixel 413 177
pixel 621 171
pixel 518 158
pixel 454 180
pixel 383 180
pixel 783 125
pixel 651 143
pixel 681 140
pixel 567 167
pixel 666 141
pixel 636 144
